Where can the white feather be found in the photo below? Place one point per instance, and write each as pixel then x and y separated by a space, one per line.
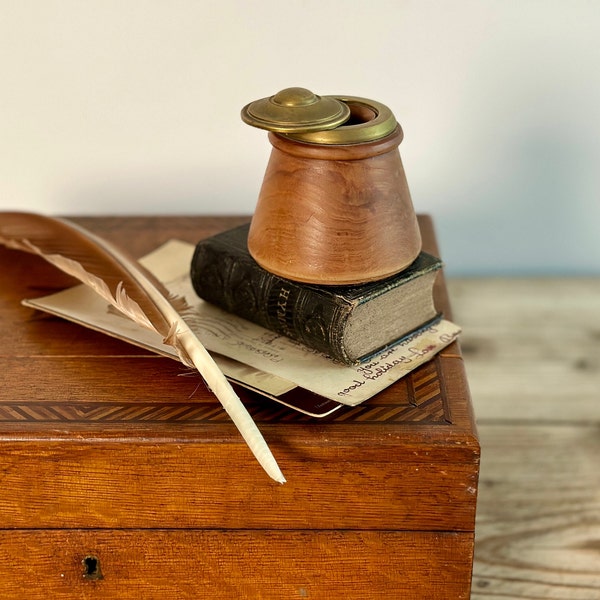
pixel 44 236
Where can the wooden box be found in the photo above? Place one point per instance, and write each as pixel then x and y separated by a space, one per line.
pixel 121 476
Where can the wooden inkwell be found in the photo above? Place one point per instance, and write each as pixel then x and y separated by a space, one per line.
pixel 334 207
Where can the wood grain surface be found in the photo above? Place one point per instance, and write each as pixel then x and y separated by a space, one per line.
pixel 225 565
pixel 532 350
pixel 112 454
pixel 334 214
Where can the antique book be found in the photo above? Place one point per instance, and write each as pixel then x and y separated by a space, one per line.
pixel 349 323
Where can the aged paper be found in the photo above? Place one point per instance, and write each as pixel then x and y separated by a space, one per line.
pixel 261 359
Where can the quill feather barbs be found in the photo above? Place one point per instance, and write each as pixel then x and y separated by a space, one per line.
pixel 132 290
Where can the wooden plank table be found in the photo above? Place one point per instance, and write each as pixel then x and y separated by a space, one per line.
pixel 532 352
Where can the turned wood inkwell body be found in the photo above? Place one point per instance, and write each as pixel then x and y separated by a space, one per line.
pixel 334 207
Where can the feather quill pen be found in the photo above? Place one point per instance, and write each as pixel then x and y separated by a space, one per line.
pixel 132 290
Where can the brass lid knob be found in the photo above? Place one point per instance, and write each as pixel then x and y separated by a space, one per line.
pixel 294 110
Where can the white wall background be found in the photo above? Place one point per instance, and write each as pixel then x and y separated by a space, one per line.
pixel 124 107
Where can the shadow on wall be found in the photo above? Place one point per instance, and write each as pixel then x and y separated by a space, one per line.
pixel 532 214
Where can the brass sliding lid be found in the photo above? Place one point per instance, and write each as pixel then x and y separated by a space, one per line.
pixel 295 109
pixel 301 115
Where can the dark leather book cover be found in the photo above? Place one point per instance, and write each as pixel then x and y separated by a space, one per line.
pixel 349 323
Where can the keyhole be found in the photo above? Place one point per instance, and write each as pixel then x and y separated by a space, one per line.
pixel 91 567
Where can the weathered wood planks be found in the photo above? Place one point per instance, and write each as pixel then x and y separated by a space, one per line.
pixel 532 351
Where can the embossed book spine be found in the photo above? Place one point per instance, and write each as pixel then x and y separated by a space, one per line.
pixel 329 319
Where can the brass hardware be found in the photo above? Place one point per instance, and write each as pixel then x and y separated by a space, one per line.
pixel 369 121
pixel 303 116
pixel 295 109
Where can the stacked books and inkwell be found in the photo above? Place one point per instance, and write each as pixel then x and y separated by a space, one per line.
pixel 332 258
pixel 325 298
